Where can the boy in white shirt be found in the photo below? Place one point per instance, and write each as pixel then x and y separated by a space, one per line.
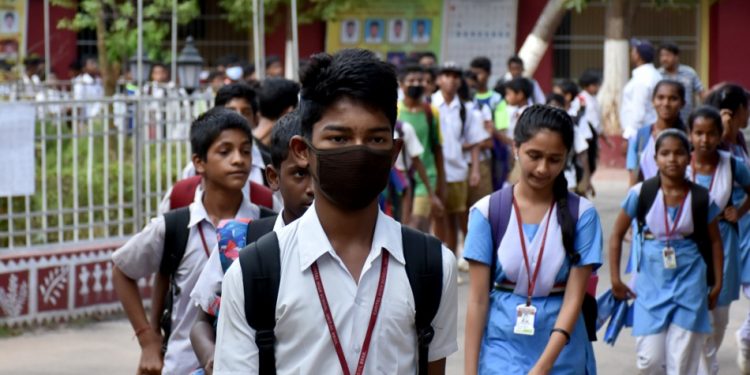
pixel 463 130
pixel 222 143
pixel 342 263
pixel 284 174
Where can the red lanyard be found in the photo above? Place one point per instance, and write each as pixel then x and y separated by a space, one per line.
pixel 203 239
pixel 668 231
pixel 531 279
pixel 370 326
pixel 713 175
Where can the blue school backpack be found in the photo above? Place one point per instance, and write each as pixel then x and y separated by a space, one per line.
pixel 699 200
pixel 261 274
pixel 501 203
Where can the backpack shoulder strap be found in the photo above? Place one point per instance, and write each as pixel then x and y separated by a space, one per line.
pixel 424 268
pixel 259 227
pixel 175 239
pixel 261 272
pixel 427 108
pixel 700 201
pixel 261 195
pixel 183 192
pixel 646 198
pixel 569 231
pixel 501 203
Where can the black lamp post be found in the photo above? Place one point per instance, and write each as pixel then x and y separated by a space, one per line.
pixel 189 65
pixel 145 67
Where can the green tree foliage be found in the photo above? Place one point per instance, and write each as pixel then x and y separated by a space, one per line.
pixel 115 22
pixel 240 12
pixel 578 5
pixel 121 24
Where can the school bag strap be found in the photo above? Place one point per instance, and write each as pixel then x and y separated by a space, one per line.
pixel 183 193
pixel 431 135
pixel 261 272
pixel 259 227
pixel 175 240
pixel 423 255
pixel 699 200
pixel 501 204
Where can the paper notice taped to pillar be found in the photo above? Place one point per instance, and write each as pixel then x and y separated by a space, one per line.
pixel 17 122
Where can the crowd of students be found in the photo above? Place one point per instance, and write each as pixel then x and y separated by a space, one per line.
pixel 324 192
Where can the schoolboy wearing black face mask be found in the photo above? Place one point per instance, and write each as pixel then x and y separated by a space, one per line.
pixel 344 264
pixel 427 195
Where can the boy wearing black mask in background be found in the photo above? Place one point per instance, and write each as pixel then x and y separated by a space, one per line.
pixel 343 258
pixel 428 200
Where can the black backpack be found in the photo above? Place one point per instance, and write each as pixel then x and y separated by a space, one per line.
pixel 175 240
pixel 499 215
pixel 261 273
pixel 699 200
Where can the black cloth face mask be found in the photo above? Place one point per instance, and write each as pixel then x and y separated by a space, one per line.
pixel 351 177
pixel 414 92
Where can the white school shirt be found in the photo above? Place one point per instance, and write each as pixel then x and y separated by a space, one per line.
pixel 593 113
pixel 303 343
pixel 636 109
pixel 456 166
pixel 140 257
pixel 208 285
pixel 412 146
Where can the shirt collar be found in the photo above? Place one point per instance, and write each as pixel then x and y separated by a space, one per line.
pixel 279 223
pixel 438 100
pixel 387 236
pixel 643 68
pixel 198 212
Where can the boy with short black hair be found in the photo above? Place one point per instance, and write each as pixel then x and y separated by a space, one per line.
pixel 285 174
pixel 344 262
pixel 276 97
pixel 517 93
pixel 515 70
pixel 243 99
pixel 221 141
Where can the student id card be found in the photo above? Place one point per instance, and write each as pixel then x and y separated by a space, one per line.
pixel 670 259
pixel 525 320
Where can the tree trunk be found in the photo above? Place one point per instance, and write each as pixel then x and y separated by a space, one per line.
pixel 536 43
pixel 109 70
pixel 618 21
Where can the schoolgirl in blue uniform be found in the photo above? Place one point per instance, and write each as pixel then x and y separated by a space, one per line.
pixel 732 103
pixel 518 321
pixel 672 301
pixel 722 175
pixel 668 99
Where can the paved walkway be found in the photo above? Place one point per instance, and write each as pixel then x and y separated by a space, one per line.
pixel 108 347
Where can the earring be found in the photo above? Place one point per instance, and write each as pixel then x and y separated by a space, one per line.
pixel 516 156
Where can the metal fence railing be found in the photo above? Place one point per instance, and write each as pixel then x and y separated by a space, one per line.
pixel 100 169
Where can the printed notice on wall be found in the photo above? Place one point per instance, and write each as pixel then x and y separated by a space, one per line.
pixel 17 149
pixel 474 28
